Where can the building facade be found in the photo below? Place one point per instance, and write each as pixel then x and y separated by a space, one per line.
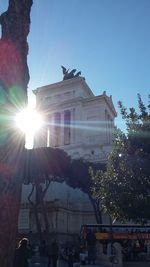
pixel 76 120
pixel 81 124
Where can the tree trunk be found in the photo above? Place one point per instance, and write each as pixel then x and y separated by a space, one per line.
pixel 38 224
pixel 97 211
pixel 34 207
pixel 40 194
pixel 39 205
pixel 44 210
pixel 9 209
pixel 10 196
pixel 45 217
pixel 14 77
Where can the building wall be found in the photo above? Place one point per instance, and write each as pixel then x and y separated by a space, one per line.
pixel 81 124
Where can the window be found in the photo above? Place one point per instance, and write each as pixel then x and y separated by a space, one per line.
pixel 108 123
pixel 57 127
pixel 67 120
pixel 49 129
pixel 48 137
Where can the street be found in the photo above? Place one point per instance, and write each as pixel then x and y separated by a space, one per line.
pixel 42 262
pixel 137 264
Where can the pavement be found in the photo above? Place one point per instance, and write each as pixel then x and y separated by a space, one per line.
pixel 42 262
pixel 137 264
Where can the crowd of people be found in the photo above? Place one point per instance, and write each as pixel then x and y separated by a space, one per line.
pixel 70 253
pixel 74 254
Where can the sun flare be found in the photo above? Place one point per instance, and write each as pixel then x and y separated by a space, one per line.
pixel 29 121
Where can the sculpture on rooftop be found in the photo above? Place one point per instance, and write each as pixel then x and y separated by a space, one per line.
pixel 70 74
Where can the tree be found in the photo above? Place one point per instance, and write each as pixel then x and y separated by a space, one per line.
pixel 41 167
pixel 125 186
pixel 44 165
pixel 14 77
pixel 79 177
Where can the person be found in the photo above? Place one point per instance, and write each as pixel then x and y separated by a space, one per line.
pixel 70 256
pixel 91 245
pixel 54 253
pixel 49 255
pixel 22 254
pixel 43 249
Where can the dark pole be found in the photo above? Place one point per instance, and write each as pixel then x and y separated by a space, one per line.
pixel 111 234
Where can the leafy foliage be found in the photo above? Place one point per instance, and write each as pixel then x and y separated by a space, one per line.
pixel 79 174
pixel 47 164
pixel 125 186
pixel 80 177
pixel 41 164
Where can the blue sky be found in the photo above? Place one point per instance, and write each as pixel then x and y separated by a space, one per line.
pixel 108 40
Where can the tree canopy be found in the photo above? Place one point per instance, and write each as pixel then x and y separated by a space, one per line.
pixel 79 177
pixel 125 186
pixel 45 163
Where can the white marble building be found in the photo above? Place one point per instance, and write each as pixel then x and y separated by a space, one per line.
pixel 76 120
pixel 82 124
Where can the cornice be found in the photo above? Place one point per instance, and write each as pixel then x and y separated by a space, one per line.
pixel 63 84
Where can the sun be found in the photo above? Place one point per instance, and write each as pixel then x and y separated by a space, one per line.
pixel 29 121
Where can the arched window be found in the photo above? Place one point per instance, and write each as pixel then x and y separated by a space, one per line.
pixel 67 121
